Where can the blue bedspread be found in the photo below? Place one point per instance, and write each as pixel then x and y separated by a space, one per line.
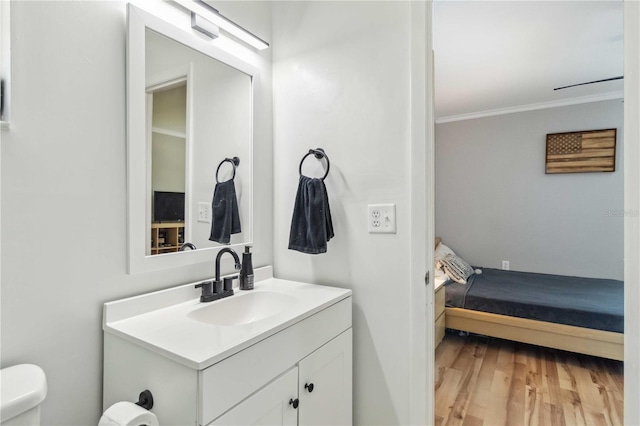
pixel 582 302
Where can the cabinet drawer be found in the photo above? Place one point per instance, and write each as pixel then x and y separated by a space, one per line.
pixel 439 330
pixel 228 382
pixel 438 302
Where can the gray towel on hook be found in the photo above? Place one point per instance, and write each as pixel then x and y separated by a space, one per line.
pixel 311 225
pixel 225 219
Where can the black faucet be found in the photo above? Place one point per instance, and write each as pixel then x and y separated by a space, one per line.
pixel 232 253
pixel 186 246
pixel 214 290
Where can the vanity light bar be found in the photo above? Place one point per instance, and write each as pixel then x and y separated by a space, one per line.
pixel 204 26
pixel 213 16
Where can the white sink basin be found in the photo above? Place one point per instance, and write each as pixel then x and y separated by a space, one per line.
pixel 243 309
pixel 175 324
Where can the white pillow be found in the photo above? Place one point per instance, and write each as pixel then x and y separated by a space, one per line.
pixel 457 268
pixel 441 252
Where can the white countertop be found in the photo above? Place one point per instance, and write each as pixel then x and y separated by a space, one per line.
pixel 159 322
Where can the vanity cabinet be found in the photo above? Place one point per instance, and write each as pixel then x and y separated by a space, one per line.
pixel 308 360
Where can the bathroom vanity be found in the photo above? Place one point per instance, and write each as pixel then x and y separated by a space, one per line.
pixel 278 354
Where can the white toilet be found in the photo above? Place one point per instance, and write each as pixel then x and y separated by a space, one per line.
pixel 23 388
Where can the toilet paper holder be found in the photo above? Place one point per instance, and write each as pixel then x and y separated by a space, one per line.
pixel 145 400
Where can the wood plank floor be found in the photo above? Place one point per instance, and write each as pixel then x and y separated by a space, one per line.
pixel 487 381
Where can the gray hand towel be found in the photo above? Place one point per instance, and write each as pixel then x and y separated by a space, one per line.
pixel 225 218
pixel 311 225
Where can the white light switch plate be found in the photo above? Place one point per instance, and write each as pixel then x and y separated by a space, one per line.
pixel 204 212
pixel 381 219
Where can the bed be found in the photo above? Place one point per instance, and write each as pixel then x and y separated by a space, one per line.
pixel 583 315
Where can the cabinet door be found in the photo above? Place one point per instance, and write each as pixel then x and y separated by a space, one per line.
pixel 325 384
pixel 269 406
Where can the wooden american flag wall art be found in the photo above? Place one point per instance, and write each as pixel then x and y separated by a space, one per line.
pixel 580 152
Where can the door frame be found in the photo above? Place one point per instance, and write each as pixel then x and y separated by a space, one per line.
pixel 421 164
pixel 631 160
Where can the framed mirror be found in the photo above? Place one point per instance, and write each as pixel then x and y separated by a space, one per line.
pixel 189 145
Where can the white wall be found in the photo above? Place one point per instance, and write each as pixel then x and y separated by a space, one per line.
pixel 168 152
pixel 342 83
pixel 170 109
pixel 168 155
pixel 64 193
pixel 494 201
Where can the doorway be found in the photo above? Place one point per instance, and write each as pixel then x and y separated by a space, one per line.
pixel 630 199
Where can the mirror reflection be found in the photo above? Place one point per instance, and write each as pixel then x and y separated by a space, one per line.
pixel 198 121
pixel 168 105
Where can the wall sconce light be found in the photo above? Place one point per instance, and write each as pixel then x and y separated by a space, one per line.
pixel 207 20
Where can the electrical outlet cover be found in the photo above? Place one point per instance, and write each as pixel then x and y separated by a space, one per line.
pixel 381 218
pixel 204 212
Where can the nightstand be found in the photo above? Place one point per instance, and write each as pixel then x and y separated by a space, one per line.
pixel 438 304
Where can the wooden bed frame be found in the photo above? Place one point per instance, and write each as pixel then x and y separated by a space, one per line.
pixel 605 344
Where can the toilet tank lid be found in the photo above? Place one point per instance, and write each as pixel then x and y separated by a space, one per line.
pixel 22 387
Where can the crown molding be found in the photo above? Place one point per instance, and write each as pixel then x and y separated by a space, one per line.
pixel 532 107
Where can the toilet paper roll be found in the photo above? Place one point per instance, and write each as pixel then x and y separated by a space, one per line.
pixel 126 413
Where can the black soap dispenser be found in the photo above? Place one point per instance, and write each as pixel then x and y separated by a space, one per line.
pixel 246 272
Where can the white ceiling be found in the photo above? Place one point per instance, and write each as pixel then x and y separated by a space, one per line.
pixel 502 56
